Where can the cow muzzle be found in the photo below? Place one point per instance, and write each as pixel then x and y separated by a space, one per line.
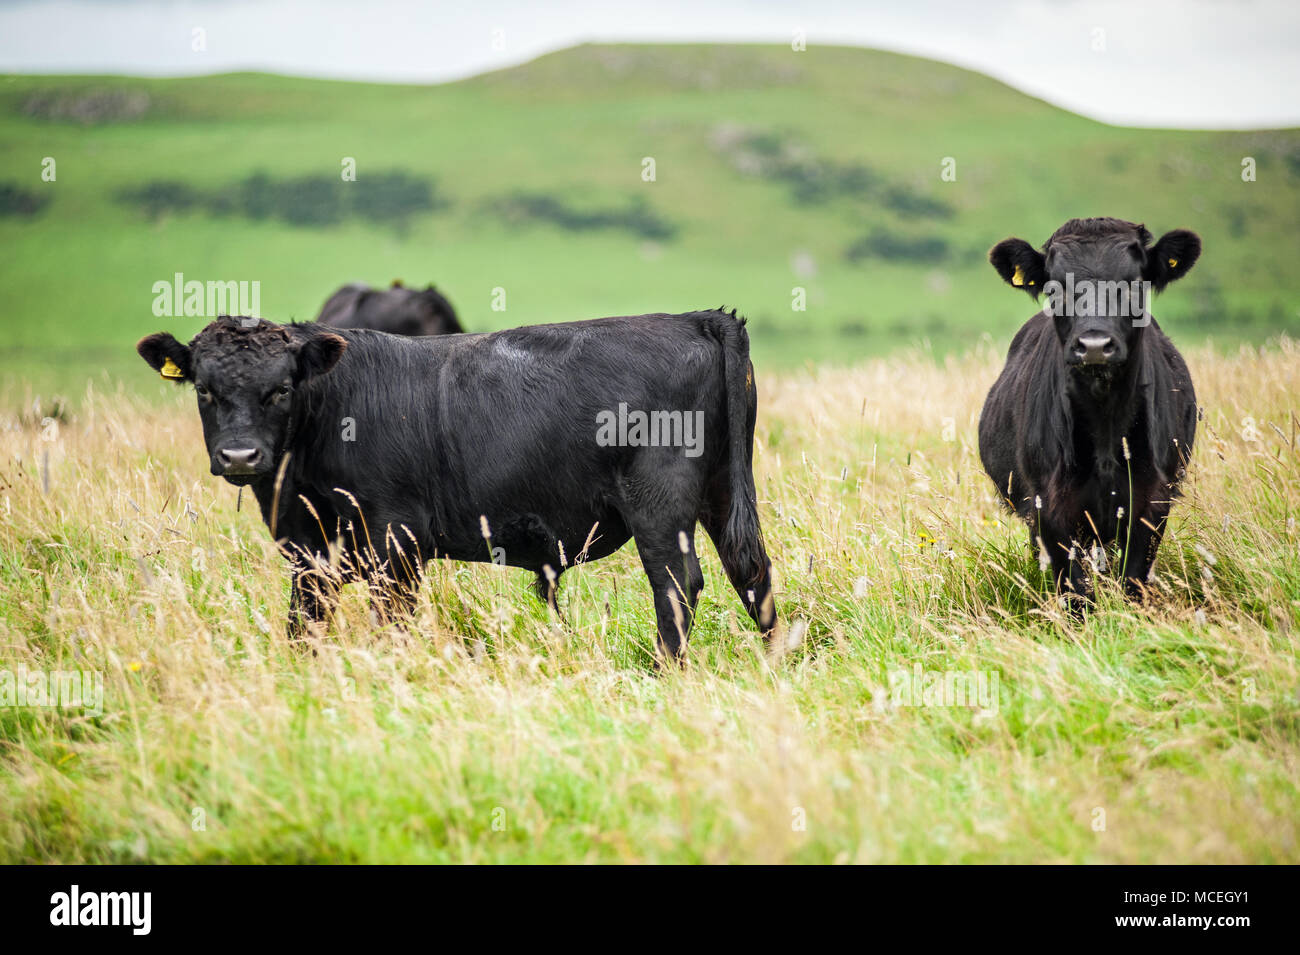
pixel 1096 348
pixel 237 462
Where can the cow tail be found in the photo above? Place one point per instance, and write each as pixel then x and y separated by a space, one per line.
pixel 742 538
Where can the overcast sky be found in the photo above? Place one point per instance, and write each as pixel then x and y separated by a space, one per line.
pixel 1199 63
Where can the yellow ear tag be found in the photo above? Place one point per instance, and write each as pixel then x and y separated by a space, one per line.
pixel 1019 277
pixel 170 370
pixel 1173 263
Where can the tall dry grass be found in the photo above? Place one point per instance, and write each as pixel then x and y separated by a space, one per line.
pixel 1163 732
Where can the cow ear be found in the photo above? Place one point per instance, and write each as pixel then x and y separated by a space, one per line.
pixel 166 356
pixel 1172 257
pixel 318 353
pixel 1020 264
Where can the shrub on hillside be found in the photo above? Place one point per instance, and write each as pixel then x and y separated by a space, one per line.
pixel 17 201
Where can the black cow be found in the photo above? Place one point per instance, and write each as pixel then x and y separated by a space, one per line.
pixel 399 310
pixel 537 447
pixel 1088 430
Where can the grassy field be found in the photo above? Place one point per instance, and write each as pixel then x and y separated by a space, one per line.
pixel 1162 732
pixel 1165 732
pixel 773 169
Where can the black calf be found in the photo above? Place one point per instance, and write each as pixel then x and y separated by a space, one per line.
pixel 1088 429
pixel 537 447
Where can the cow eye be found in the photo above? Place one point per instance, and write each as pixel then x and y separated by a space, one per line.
pixel 202 391
pixel 280 393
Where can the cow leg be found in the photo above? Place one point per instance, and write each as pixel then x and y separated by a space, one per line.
pixel 548 591
pixel 755 594
pixel 1140 554
pixel 311 602
pixel 394 598
pixel 1068 572
pixel 675 580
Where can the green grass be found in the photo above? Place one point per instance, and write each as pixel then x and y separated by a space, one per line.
pixel 1167 731
pixel 1158 732
pixel 77 277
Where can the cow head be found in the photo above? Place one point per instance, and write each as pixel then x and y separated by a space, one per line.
pixel 246 373
pixel 443 316
pixel 1098 275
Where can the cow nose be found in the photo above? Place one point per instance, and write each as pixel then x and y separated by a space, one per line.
pixel 239 459
pixel 1094 349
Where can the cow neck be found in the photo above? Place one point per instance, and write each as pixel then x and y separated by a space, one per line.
pixel 290 433
pixel 264 490
pixel 1106 410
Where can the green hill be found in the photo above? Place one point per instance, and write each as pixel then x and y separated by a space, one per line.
pixel 773 169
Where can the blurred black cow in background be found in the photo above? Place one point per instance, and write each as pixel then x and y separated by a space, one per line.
pixel 397 310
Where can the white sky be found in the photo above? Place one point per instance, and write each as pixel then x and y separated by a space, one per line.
pixel 1196 63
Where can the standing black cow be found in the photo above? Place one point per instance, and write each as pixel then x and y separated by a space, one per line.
pixel 1088 430
pixel 398 310
pixel 536 447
